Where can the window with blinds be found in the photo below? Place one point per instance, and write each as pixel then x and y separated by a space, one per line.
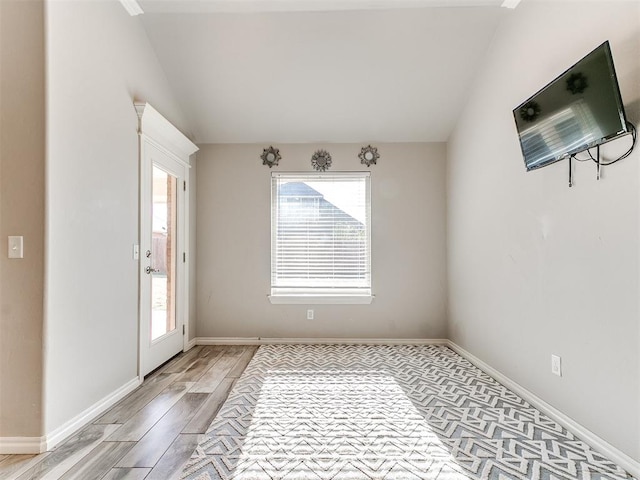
pixel 321 240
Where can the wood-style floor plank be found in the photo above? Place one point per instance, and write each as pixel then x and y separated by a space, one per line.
pixel 15 465
pixel 154 444
pixel 207 412
pixel 136 400
pixel 99 461
pixel 64 457
pixel 127 474
pixel 179 452
pixel 138 425
pixel 150 433
pixel 201 365
pixel 6 460
pixel 210 380
pixel 243 361
pixel 181 363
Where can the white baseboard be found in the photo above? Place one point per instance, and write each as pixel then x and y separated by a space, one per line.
pixel 190 344
pixel 35 445
pixel 625 461
pixel 22 445
pixel 317 341
pixel 79 421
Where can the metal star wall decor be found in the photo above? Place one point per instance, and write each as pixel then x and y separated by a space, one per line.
pixel 530 111
pixel 321 160
pixel 369 155
pixel 577 83
pixel 270 156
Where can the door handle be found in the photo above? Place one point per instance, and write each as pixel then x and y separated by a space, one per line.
pixel 150 270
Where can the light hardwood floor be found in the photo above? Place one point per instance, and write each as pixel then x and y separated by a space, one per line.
pixel 149 434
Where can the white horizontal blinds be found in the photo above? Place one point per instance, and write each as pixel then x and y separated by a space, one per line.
pixel 321 233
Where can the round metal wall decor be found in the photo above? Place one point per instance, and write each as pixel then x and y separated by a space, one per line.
pixel 270 156
pixel 530 111
pixel 369 155
pixel 321 160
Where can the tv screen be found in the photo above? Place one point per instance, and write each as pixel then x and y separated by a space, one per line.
pixel 580 109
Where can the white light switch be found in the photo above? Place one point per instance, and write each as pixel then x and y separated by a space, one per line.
pixel 15 247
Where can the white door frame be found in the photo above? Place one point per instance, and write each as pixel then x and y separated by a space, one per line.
pixel 156 133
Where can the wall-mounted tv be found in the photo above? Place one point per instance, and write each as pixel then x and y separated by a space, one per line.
pixel 580 109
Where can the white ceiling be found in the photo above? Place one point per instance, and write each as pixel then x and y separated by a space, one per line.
pixel 250 71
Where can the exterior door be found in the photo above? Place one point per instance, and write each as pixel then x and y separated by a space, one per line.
pixel 162 267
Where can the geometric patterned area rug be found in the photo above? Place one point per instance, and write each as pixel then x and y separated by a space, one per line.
pixel 402 412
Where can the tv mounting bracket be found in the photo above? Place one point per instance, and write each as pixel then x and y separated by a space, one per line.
pixel 598 165
pixel 598 162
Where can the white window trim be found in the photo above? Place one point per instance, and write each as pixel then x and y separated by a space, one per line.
pixel 307 298
pixel 282 299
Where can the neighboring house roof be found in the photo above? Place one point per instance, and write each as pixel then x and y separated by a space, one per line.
pixel 299 189
pixel 303 191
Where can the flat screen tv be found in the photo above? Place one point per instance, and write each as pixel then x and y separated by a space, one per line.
pixel 580 109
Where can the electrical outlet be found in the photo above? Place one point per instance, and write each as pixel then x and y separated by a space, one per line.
pixel 309 314
pixel 556 365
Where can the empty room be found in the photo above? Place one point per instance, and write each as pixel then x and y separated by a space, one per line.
pixel 319 239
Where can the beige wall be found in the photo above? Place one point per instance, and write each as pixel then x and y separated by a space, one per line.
pixel 22 170
pixel 537 268
pixel 99 60
pixel 408 245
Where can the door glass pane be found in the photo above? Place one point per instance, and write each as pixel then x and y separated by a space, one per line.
pixel 163 254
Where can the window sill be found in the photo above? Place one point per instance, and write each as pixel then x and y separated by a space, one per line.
pixel 321 299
